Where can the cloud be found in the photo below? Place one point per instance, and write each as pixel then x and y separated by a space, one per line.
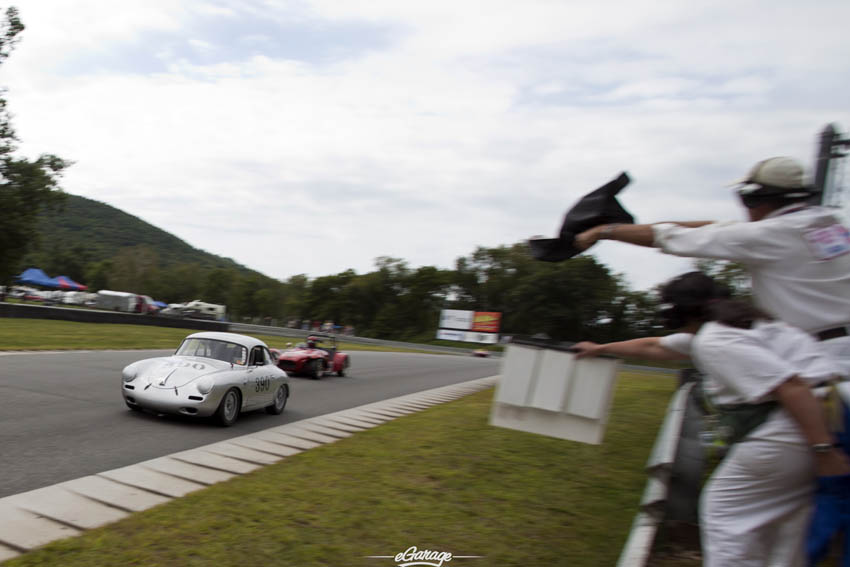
pixel 264 130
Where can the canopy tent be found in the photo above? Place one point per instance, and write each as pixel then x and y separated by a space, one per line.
pixel 67 284
pixel 34 276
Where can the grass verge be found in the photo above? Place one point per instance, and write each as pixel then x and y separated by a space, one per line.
pixel 442 479
pixel 45 334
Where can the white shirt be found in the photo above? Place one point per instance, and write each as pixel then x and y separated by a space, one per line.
pixel 678 342
pixel 799 261
pixel 746 365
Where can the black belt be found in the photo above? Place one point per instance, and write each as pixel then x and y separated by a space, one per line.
pixel 832 333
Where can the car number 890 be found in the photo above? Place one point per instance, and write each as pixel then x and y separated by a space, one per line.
pixel 262 384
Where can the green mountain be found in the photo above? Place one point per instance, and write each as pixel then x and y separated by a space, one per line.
pixel 84 231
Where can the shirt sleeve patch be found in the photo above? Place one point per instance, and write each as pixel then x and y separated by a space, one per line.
pixel 828 242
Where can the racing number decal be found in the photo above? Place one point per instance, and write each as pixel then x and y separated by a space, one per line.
pixel 262 384
pixel 184 364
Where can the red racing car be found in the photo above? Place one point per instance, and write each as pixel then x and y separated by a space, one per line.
pixel 311 359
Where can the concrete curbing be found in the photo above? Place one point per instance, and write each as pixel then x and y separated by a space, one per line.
pixel 35 518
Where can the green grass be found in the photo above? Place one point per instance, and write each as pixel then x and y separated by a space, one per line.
pixel 442 479
pixel 45 334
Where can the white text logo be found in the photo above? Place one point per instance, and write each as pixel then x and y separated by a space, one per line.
pixel 413 556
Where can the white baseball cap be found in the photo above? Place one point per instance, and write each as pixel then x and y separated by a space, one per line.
pixel 783 176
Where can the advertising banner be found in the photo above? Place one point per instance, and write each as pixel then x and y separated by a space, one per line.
pixel 469 326
pixel 484 338
pixel 486 321
pixel 456 319
pixel 467 336
pixel 449 335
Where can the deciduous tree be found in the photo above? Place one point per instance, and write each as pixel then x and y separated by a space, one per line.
pixel 25 186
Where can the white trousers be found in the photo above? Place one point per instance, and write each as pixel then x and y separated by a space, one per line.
pixel 755 509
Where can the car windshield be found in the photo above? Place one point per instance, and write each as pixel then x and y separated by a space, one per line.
pixel 212 348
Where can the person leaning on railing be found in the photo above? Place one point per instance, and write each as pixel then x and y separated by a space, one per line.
pixel 758 372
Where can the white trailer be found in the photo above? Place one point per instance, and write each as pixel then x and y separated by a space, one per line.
pixel 201 310
pixel 117 300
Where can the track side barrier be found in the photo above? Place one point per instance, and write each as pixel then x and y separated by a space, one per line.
pixel 24 311
pixel 287 332
pixel 638 547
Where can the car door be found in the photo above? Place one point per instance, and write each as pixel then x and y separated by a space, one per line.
pixel 258 390
pixel 274 374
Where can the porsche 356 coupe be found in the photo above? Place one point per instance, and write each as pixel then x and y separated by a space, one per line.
pixel 210 374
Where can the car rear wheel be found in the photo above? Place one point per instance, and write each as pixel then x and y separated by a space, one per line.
pixel 228 409
pixel 315 368
pixel 279 403
pixel 341 371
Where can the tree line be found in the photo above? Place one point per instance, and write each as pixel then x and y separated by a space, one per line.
pixel 577 299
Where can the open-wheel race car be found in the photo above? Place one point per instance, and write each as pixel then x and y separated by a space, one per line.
pixel 314 358
pixel 210 374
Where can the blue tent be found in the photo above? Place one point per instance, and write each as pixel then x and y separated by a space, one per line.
pixel 34 276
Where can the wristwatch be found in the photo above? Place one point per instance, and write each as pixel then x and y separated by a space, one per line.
pixel 822 447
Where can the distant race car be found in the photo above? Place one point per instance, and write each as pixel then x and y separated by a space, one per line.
pixel 210 374
pixel 481 353
pixel 312 359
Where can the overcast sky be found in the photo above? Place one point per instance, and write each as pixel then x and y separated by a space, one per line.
pixel 313 136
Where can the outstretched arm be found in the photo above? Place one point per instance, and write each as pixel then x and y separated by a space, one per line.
pixel 638 234
pixel 646 347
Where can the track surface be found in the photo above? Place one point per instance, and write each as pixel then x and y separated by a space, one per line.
pixel 63 416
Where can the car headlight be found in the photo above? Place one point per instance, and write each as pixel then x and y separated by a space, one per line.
pixel 128 376
pixel 204 385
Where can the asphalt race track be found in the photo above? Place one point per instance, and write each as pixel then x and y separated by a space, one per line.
pixel 63 416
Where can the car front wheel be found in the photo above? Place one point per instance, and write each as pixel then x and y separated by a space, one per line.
pixel 228 409
pixel 279 403
pixel 315 368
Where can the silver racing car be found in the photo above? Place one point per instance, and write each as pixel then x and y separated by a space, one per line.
pixel 211 374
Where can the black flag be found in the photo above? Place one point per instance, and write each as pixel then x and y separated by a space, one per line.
pixel 597 207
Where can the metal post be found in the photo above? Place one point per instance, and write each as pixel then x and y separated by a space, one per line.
pixel 829 149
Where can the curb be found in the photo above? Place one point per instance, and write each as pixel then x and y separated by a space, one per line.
pixel 32 519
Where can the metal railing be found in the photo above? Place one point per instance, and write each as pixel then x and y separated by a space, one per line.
pixel 638 547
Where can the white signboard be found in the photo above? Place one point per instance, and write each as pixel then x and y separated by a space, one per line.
pixel 483 338
pixel 550 392
pixel 449 335
pixel 456 319
pixel 467 336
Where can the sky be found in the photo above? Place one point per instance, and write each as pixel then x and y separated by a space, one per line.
pixel 314 136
